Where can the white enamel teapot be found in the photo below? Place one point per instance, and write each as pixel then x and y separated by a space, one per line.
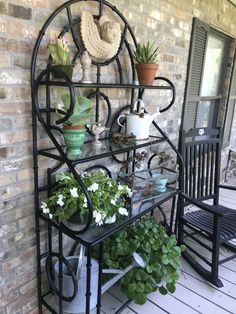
pixel 138 123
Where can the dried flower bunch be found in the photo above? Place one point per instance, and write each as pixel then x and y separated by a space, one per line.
pixel 59 51
pixel 107 196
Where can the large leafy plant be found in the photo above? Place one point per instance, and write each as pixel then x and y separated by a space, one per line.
pixel 59 51
pixel 81 112
pixel 146 53
pixel 107 195
pixel 159 251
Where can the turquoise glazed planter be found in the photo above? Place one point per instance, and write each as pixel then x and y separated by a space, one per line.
pixel 74 137
pixel 160 182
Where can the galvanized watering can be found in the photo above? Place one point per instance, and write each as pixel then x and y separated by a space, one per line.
pixel 78 264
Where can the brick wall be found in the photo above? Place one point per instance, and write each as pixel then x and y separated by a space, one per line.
pixel 166 21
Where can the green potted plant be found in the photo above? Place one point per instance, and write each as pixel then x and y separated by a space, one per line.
pixel 68 202
pixel 74 127
pixel 159 251
pixel 59 53
pixel 146 58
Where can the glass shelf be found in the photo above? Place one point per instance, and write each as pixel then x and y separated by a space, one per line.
pixel 105 85
pixel 96 234
pixel 145 186
pixel 106 149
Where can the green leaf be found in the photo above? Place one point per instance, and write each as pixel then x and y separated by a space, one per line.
pixel 81 111
pixel 176 264
pixel 165 260
pixel 140 298
pixel 143 275
pixel 164 249
pixel 149 269
pixel 170 287
pixel 152 282
pixel 131 287
pixel 140 287
pixel 138 275
pixel 148 288
pixel 163 290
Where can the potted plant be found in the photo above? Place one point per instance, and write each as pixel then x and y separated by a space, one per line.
pixel 59 53
pixel 146 58
pixel 74 127
pixel 68 202
pixel 159 251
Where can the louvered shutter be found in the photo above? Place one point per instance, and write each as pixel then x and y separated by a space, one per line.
pixel 197 53
pixel 230 106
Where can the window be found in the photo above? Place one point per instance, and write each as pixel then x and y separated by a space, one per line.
pixel 230 107
pixel 207 71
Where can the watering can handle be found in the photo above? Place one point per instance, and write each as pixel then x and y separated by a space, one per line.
pixel 80 262
pixel 51 279
pixel 118 120
pixel 139 100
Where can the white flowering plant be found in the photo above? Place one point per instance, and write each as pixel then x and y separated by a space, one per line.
pixel 107 195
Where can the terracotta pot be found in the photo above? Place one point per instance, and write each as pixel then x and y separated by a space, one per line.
pixel 146 73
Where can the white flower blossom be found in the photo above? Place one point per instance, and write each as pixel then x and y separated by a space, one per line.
pixel 60 105
pixel 45 208
pixel 85 204
pixel 123 211
pixel 120 187
pixel 74 192
pixel 109 184
pixel 113 201
pixel 98 216
pixel 100 223
pixel 129 191
pixel 60 200
pixel 93 187
pixel 83 174
pixel 50 216
pixel 111 220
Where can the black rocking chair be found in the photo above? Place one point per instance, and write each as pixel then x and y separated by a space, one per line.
pixel 204 227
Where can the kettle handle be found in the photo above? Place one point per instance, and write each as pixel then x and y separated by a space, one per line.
pixel 139 100
pixel 118 120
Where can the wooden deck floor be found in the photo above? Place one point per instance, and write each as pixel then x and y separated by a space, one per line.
pixel 193 294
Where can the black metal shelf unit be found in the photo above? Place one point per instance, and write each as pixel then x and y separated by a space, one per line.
pixel 44 113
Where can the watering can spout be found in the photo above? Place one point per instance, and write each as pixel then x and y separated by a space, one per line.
pixel 137 262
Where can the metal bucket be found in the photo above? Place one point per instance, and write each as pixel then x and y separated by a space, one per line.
pixel 78 304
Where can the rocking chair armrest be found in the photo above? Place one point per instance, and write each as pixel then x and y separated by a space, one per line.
pixel 213 209
pixel 227 187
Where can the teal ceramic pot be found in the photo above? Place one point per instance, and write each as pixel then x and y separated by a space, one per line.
pixel 160 182
pixel 74 137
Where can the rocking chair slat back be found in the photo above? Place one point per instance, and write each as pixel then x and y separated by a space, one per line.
pixel 201 153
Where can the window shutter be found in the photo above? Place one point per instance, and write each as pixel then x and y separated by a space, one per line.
pixel 230 106
pixel 197 52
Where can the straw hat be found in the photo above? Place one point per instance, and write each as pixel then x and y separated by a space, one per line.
pixel 100 41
